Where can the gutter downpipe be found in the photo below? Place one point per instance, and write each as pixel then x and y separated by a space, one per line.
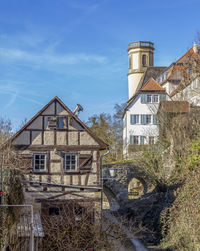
pixel 101 178
pixel 32 230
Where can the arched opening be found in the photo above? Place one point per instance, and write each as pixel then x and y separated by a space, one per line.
pixel 144 60
pixel 106 203
pixel 109 200
pixel 135 188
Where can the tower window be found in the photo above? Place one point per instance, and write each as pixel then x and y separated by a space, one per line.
pixel 130 62
pixel 144 60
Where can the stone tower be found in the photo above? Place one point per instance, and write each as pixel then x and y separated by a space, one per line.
pixel 140 57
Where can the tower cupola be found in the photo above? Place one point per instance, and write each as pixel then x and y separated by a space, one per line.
pixel 140 56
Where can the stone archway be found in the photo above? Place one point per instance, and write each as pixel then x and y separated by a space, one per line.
pixel 109 197
pixel 136 187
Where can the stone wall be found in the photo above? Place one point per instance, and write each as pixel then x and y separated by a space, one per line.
pixel 118 185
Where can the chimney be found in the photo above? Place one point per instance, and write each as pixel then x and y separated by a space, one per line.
pixel 78 109
pixel 195 48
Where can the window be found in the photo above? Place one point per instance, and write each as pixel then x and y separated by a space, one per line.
pixel 39 162
pixel 70 162
pixel 130 62
pixel 61 122
pixel 54 211
pixel 155 122
pixel 162 97
pixel 144 60
pixel 134 140
pixel 155 98
pixel 151 140
pixel 148 119
pixel 152 98
pixel 149 96
pixel 142 140
pixel 134 119
pixel 143 98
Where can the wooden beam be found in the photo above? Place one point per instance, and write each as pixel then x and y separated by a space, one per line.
pixel 66 186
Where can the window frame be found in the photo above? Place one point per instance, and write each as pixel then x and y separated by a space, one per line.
pixel 153 98
pixel 76 162
pixel 45 162
pixel 135 118
pixel 151 140
pixel 148 121
pixel 149 95
pixel 142 140
pixel 135 142
pixel 144 60
pixel 65 124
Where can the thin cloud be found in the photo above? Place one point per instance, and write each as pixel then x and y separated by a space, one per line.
pixel 12 100
pixel 14 95
pixel 44 58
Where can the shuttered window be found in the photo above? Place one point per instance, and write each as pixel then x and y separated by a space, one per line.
pixel 146 119
pixel 143 98
pixel 151 140
pixel 155 98
pixel 142 140
pixel 85 163
pixel 149 98
pixel 155 122
pixel 162 97
pixel 134 119
pixel 134 140
pixel 152 98
pixel 143 119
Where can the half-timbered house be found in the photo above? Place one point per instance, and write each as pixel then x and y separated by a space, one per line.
pixel 61 160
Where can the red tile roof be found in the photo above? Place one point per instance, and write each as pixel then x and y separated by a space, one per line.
pixel 174 106
pixel 152 85
pixel 188 55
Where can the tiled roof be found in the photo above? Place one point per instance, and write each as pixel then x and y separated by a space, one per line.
pixel 152 85
pixel 178 71
pixel 151 72
pixel 190 53
pixel 174 106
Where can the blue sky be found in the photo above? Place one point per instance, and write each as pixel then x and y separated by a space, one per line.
pixel 77 49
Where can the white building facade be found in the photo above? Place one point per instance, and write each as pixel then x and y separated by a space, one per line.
pixel 140 122
pixel 148 85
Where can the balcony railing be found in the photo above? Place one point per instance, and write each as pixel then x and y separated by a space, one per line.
pixel 140 44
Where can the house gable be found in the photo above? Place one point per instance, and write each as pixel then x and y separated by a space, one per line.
pixel 73 132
